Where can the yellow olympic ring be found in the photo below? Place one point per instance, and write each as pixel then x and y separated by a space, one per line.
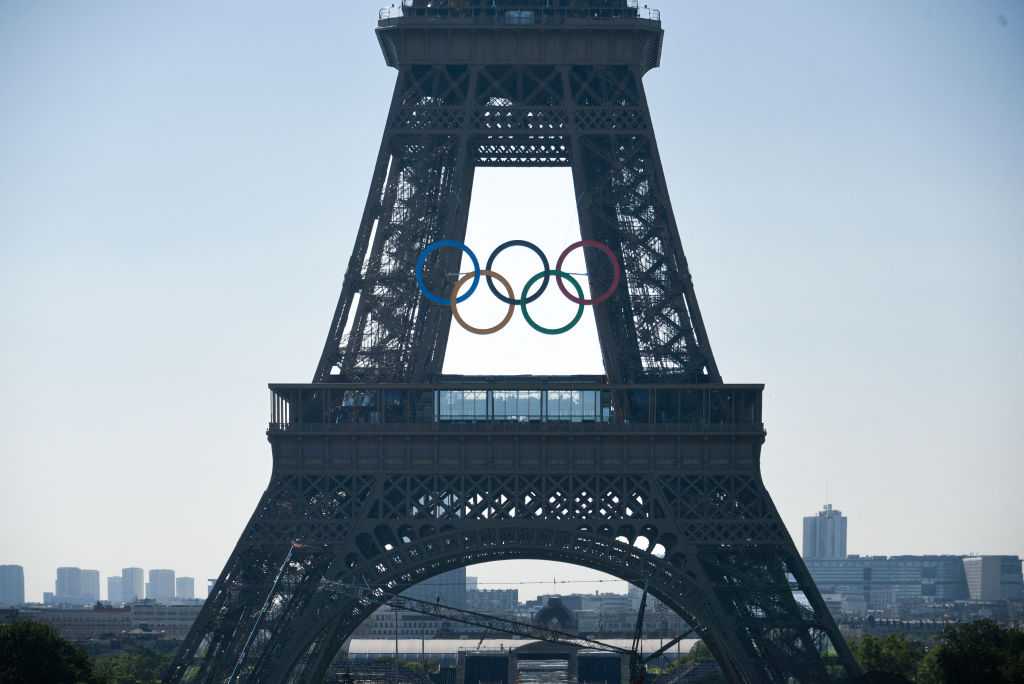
pixel 453 302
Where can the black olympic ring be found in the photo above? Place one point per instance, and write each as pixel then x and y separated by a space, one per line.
pixel 536 250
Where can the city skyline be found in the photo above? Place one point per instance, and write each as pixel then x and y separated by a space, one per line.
pixel 155 179
pixel 81 586
pixel 440 586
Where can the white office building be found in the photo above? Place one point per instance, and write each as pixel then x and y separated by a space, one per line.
pixel 185 588
pixel 133 587
pixel 12 585
pixel 825 535
pixel 115 590
pixel 161 586
pixel 994 578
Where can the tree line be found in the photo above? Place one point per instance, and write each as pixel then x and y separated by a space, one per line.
pixel 981 652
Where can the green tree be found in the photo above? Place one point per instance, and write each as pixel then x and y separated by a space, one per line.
pixel 34 652
pixel 698 653
pixel 929 671
pixel 137 667
pixel 979 651
pixel 894 654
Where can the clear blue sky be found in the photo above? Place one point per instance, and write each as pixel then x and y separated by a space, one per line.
pixel 180 185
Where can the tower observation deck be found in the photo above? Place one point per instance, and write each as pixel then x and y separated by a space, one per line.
pixel 521 32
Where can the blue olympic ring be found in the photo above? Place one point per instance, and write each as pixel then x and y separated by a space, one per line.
pixel 422 261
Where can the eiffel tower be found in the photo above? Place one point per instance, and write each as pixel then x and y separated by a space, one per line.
pixel 387 472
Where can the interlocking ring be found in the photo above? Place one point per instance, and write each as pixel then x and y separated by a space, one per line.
pixel 453 302
pixel 616 272
pixel 455 299
pixel 422 260
pixel 536 326
pixel 536 250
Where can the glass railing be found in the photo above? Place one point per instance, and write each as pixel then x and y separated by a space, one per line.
pixel 533 401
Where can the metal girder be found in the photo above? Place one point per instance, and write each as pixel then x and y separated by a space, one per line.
pixel 700 526
pixel 447 119
pixel 662 484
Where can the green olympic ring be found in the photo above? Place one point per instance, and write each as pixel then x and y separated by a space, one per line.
pixel 571 324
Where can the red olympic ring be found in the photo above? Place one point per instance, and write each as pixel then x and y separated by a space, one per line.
pixel 616 275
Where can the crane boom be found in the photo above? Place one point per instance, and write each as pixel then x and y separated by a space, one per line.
pixel 494 623
pixel 485 621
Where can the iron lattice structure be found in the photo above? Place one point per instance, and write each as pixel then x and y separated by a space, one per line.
pixel 388 472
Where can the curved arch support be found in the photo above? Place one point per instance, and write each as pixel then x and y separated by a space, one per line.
pixel 340 605
pixel 710 546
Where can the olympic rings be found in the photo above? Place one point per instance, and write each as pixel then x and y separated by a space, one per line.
pixel 422 260
pixel 453 302
pixel 616 272
pixel 536 250
pixel 455 298
pixel 526 314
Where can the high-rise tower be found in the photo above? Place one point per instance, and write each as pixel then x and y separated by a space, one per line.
pixel 825 535
pixel 133 584
pixel 387 472
pixel 12 585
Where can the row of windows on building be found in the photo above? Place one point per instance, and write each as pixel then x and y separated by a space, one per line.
pixel 83 624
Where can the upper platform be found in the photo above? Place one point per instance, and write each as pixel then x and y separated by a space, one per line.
pixel 516 404
pixel 527 32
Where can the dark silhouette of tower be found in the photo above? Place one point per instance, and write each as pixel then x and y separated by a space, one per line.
pixel 386 472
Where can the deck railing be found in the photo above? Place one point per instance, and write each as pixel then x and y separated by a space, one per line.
pixel 542 400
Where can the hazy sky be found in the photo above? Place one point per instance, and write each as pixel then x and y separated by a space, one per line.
pixel 180 185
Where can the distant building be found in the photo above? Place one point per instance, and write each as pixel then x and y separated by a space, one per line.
pixel 82 624
pixel 76 587
pixel 115 590
pixel 635 595
pixel 994 578
pixel 68 590
pixel 606 602
pixel 174 621
pixel 386 623
pixel 161 586
pixel 472 583
pixel 133 584
pixel 185 588
pixel 492 600
pixel 90 586
pixel 825 535
pixel 448 588
pixel 881 583
pixel 12 585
